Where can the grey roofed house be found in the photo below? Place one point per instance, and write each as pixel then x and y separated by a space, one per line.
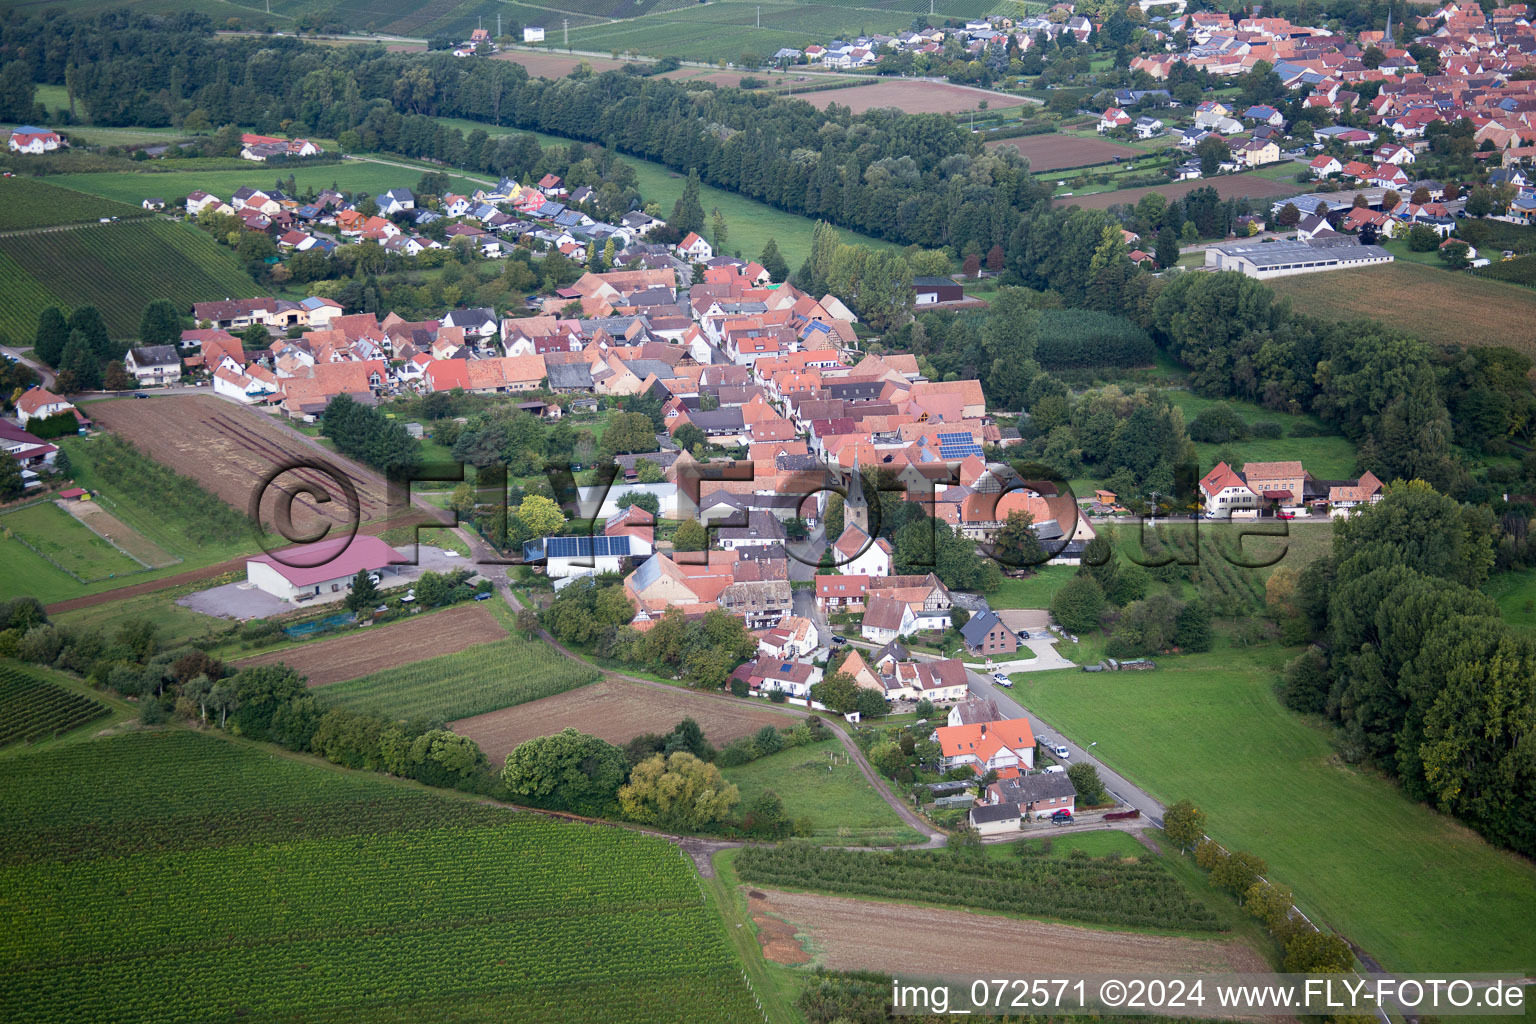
pixel 643 368
pixel 718 421
pixel 884 613
pixel 651 297
pixel 977 709
pixel 569 376
pixel 761 528
pixel 1032 789
pixel 987 813
pixel 629 463
pixel 975 631
pixel 156 355
pixel 893 650
pixel 855 390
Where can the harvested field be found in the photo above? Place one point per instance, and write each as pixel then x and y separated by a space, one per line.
pixel 553 65
pixel 229 450
pixel 910 96
pixel 1228 186
pixel 1432 304
pixel 375 649
pixel 863 935
pixel 1056 152
pixel 616 711
pixel 119 534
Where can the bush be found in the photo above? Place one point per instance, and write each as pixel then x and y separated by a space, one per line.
pixel 1269 430
pixel 1304 428
pixel 1218 425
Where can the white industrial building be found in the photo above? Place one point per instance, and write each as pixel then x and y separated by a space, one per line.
pixel 1265 260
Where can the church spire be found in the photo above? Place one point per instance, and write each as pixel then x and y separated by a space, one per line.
pixel 855 508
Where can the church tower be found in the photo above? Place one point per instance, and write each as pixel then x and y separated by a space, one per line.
pixel 855 507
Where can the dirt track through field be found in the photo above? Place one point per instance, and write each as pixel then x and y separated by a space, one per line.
pixel 850 934
pixel 118 533
pixel 375 648
pixel 616 711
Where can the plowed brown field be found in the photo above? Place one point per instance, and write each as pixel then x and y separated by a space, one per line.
pixel 863 935
pixel 616 711
pixel 230 450
pixel 380 647
pixel 1053 152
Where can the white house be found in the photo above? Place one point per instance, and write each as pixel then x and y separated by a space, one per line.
pixel 1225 492
pixel 533 34
pixel 323 570
pixel 1148 127
pixel 887 619
pixel 34 141
pixel 396 200
pixel 584 555
pixel 480 322
pixel 39 403
pixel 794 678
pixel 154 364
pixel 197 202
pixel 242 388
pixel 988 746
pixel 1113 118
pixel 695 248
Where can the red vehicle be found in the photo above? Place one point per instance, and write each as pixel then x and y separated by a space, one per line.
pixel 1287 515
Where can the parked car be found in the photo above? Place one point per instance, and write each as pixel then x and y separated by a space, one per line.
pixel 1061 817
pixel 1287 515
pixel 838 641
pixel 1054 769
pixel 139 394
pixel 1061 751
pixel 483 597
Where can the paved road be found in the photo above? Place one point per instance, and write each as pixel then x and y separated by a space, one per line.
pixel 1116 783
pixel 41 370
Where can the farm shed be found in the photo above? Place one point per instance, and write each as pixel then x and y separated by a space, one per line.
pixel 308 571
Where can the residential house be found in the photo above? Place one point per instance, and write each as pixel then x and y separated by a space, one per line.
pixel 1225 492
pixel 34 141
pixel 396 200
pixel 792 678
pixel 794 637
pixel 985 634
pixel 941 682
pixel 154 364
pixel 1148 127
pixel 1113 118
pixel 695 248
pixel 886 619
pixel 1006 747
pixel 38 403
pixel 1344 499
pixel 1282 483
pixel 1035 796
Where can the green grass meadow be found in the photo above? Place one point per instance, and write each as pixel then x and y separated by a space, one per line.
pixel 1413 888
pixel 1330 457
pixel 67 543
pixel 351 176
pixel 841 804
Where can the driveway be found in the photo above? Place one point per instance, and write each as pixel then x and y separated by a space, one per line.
pixel 1046 659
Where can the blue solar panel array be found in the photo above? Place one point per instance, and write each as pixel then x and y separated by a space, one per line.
pixel 586 547
pixel 958 446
